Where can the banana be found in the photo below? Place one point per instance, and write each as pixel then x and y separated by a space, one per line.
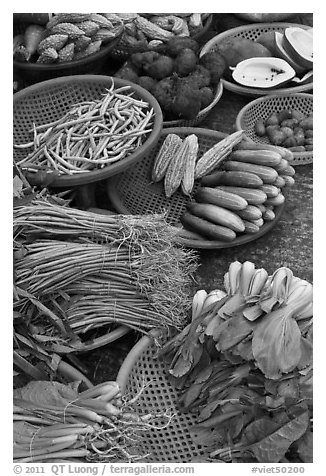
pixel 258 281
pixel 234 276
pixel 198 302
pixel 246 274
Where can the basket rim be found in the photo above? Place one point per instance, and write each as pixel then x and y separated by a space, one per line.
pixel 132 357
pixel 37 67
pixel 203 112
pixel 248 106
pixel 119 166
pixel 254 26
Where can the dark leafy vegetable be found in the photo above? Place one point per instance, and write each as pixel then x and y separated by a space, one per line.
pixel 244 366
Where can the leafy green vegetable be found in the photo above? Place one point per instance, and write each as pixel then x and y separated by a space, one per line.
pixel 276 344
pixel 305 447
pixel 271 443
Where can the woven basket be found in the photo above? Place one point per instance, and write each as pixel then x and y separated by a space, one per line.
pixel 34 73
pixel 122 53
pixel 50 100
pixel 263 107
pixel 133 192
pixel 201 115
pixel 251 32
pixel 172 444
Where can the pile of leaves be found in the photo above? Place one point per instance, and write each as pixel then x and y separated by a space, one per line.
pixel 244 367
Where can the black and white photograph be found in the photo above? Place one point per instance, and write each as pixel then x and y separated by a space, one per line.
pixel 162 227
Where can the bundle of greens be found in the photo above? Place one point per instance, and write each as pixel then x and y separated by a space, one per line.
pixel 55 422
pixel 80 276
pixel 244 366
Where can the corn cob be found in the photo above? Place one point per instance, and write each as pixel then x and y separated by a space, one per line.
pixel 66 53
pixel 82 43
pixel 151 30
pixel 168 149
pixel 89 27
pixel 216 154
pixel 69 29
pixel 101 20
pixel 49 55
pixel 56 41
pixel 187 183
pixel 176 168
pixel 92 48
pixel 67 18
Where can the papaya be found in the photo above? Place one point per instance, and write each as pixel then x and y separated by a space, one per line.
pixel 298 43
pixel 235 50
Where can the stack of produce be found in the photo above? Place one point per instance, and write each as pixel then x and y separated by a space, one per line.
pixel 241 195
pixel 182 82
pixel 91 135
pixel 144 31
pixel 55 422
pixel 78 275
pixel 244 367
pixel 66 37
pixel 234 187
pixel 288 128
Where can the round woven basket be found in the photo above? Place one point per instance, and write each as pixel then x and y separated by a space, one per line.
pixel 33 72
pixel 49 100
pixel 201 116
pixel 252 32
pixel 122 53
pixel 141 369
pixel 263 108
pixel 133 191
